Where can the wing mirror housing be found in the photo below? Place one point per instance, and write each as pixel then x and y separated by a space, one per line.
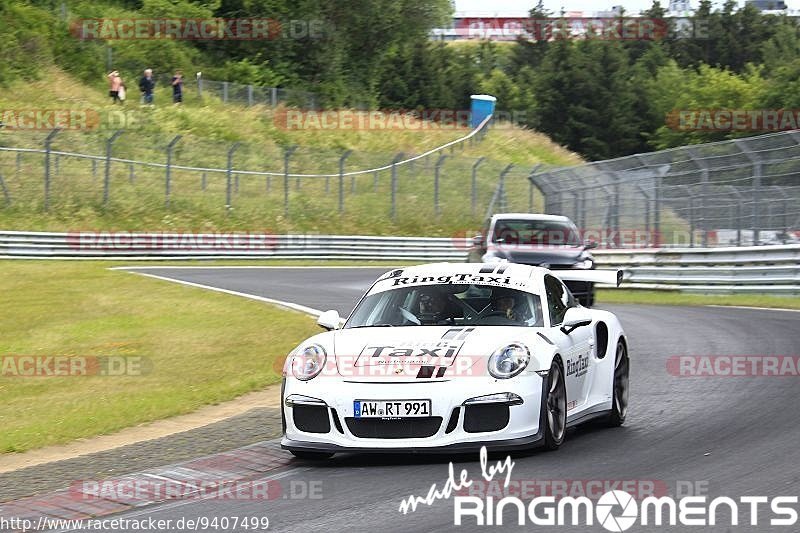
pixel 477 240
pixel 590 245
pixel 575 318
pixel 329 320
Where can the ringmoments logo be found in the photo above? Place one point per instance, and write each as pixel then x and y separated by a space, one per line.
pixel 605 508
pixel 616 510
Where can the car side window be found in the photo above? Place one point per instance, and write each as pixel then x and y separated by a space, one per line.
pixel 558 299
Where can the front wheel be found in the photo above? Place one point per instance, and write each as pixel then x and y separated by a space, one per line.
pixel 619 403
pixel 555 408
pixel 312 456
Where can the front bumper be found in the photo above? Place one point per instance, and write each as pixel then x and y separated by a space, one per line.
pixel 329 425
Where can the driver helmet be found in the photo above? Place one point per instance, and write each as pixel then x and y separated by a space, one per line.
pixel 504 300
pixel 432 303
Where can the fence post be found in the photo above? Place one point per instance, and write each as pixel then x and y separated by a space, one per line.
pixel 439 163
pixel 657 182
pixel 167 180
pixel 396 160
pixel 203 183
pixel 47 143
pixel 345 155
pixel 228 174
pixel 225 91
pixel 5 190
pixel 250 95
pixel 273 96
pixel 739 223
pixel 531 174
pixel 756 193
pixel 287 154
pixel 474 189
pixel 199 85
pixel 703 205
pixel 94 168
pixel 502 197
pixel 107 176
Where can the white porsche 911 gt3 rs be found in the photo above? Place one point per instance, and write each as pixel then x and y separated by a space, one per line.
pixel 451 357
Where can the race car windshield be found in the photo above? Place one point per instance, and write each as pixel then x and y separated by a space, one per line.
pixel 537 232
pixel 448 305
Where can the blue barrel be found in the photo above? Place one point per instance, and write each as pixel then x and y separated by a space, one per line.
pixel 482 107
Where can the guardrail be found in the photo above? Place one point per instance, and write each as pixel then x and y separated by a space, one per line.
pixel 751 269
pixel 755 269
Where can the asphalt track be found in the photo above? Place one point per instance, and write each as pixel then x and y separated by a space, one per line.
pixel 736 436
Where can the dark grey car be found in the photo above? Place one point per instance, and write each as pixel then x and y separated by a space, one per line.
pixel 551 241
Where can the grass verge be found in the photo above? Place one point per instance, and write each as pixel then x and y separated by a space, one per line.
pixel 200 347
pixel 682 298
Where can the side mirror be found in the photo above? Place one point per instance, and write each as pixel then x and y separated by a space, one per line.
pixel 477 240
pixel 590 245
pixel 329 320
pixel 575 318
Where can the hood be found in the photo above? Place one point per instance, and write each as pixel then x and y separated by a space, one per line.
pixel 537 255
pixel 436 352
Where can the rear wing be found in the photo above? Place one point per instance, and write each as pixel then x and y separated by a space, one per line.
pixel 607 277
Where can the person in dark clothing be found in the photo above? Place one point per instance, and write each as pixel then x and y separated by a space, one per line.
pixel 146 85
pixel 177 87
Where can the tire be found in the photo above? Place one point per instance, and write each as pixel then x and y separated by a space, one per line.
pixel 554 414
pixel 621 385
pixel 312 456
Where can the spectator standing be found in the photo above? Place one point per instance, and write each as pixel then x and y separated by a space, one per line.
pixel 177 87
pixel 114 85
pixel 146 85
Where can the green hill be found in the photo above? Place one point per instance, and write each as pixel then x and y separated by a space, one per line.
pixel 209 128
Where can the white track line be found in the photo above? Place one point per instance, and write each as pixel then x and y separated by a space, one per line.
pixel 754 308
pixel 156 267
pixel 289 305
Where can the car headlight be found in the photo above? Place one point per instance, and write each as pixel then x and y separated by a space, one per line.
pixel 586 264
pixel 509 361
pixel 308 362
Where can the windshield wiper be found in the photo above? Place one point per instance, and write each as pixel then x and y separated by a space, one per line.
pixel 372 326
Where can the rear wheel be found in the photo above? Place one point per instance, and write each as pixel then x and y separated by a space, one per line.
pixel 619 403
pixel 555 408
pixel 312 456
